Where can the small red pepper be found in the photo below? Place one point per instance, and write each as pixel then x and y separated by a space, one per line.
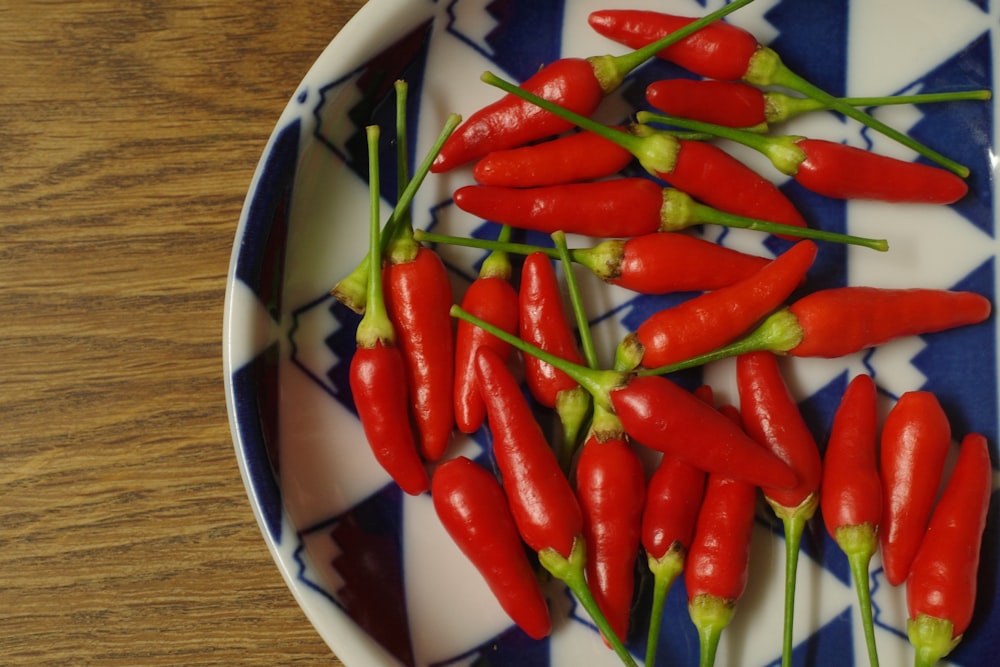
pixel 942 583
pixel 916 437
pixel 710 320
pixel 377 371
pixel 610 485
pixel 579 84
pixel 839 321
pixel 718 563
pixel 727 52
pixel 491 297
pixel 851 491
pixel 473 509
pixel 772 417
pixel 545 508
pixel 574 157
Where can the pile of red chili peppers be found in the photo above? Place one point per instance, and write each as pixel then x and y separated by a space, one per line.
pixel 583 502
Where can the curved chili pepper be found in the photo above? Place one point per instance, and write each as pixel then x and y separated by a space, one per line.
pixel 772 417
pixel 941 587
pixel 724 51
pixel 542 321
pixel 544 506
pixel 718 563
pixel 578 156
pixel 916 437
pixel 610 486
pixel 737 104
pixel 712 319
pixel 851 491
pixel 377 371
pixel 473 509
pixel 839 321
pixel 576 83
pixel 491 297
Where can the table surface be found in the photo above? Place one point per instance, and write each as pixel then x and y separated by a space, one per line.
pixel 130 132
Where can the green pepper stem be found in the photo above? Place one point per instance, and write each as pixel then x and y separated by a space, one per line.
pixel 485 244
pixel 710 615
pixel 665 571
pixel 571 572
pixel 351 290
pixel 611 70
pixel 576 300
pixel 781 107
pixel 375 326
pixel 497 263
pixel 859 543
pixel 680 211
pixel 794 521
pixel 931 638
pixel 772 71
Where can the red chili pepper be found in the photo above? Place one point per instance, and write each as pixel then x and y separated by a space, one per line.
pixel 661 415
pixel 718 51
pixel 724 51
pixel 710 320
pixel 840 171
pixel 377 372
pixel 771 416
pixel 473 509
pixel 491 297
pixel 545 509
pixel 579 84
pixel 718 563
pixel 839 321
pixel 851 490
pixel 736 104
pixel 941 587
pixel 575 157
pixel 916 437
pixel 610 486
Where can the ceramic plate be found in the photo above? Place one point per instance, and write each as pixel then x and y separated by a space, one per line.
pixel 371 566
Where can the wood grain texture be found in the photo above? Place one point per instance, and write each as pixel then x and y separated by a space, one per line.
pixel 130 132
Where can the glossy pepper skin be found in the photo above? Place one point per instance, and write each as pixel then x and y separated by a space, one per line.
pixel 492 297
pixel 710 320
pixel 851 491
pixel 473 509
pixel 575 157
pixel 718 51
pixel 916 436
pixel 941 586
pixel 544 506
pixel 509 122
pixel 661 415
pixel 727 103
pixel 610 486
pixel 418 296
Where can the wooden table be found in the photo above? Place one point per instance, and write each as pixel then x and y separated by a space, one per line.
pixel 128 136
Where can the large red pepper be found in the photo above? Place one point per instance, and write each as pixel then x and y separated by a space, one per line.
pixel 610 485
pixel 579 84
pixel 574 157
pixel 839 321
pixel 473 509
pixel 942 583
pixel 660 414
pixel 492 297
pixel 916 437
pixel 851 491
pixel 544 506
pixel 710 320
pixel 378 372
pixel 727 52
pixel 772 417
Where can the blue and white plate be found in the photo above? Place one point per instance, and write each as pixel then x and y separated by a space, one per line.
pixel 371 566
